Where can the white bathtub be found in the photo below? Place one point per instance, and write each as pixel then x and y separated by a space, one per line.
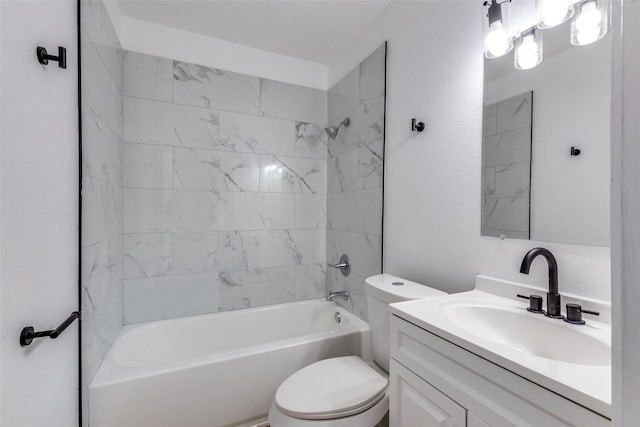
pixel 216 369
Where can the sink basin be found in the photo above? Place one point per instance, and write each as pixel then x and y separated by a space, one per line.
pixel 573 361
pixel 530 333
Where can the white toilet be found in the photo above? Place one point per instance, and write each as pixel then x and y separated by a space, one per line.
pixel 347 391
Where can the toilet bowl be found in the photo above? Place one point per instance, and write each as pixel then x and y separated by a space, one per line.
pixel 347 391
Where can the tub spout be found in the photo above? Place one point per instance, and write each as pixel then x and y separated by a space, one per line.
pixel 341 294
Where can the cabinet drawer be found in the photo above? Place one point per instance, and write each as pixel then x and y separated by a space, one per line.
pixel 497 396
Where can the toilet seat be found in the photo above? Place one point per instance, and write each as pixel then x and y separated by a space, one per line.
pixel 331 388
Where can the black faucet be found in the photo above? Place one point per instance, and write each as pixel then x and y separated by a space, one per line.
pixel 553 297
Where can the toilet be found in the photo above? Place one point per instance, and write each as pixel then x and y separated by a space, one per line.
pixel 347 391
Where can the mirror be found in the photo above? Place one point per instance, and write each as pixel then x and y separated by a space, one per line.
pixel 546 139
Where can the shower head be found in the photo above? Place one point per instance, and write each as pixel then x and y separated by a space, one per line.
pixel 332 131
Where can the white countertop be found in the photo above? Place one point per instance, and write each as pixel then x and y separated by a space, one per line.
pixel 586 384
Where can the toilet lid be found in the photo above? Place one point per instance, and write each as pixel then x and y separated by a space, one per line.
pixel 331 388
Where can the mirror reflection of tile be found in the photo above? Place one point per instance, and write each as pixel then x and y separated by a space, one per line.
pixel 506 167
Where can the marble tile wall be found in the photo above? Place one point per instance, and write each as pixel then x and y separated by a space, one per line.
pixel 506 167
pixel 355 168
pixel 225 182
pixel 102 195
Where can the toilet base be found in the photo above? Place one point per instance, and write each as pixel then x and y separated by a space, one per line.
pixel 372 417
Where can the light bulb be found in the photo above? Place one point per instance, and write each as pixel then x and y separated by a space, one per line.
pixel 588 23
pixel 528 54
pixel 554 12
pixel 497 40
pixel 589 17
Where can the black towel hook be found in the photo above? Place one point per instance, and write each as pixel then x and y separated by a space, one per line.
pixel 417 126
pixel 28 333
pixel 44 57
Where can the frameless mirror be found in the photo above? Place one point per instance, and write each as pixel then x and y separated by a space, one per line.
pixel 546 139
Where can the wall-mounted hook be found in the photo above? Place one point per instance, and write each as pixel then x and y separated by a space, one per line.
pixel 417 126
pixel 44 57
pixel 575 151
pixel 28 333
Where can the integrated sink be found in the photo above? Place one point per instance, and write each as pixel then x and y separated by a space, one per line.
pixel 572 360
pixel 527 332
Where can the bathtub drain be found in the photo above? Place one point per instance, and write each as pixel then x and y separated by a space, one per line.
pixel 337 317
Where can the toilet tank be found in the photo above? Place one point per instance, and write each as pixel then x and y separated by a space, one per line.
pixel 382 290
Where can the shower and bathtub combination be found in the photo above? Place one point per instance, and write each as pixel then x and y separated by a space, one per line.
pixel 215 208
pixel 217 369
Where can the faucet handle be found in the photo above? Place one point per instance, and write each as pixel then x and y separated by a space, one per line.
pixel 535 303
pixel 574 314
pixel 344 265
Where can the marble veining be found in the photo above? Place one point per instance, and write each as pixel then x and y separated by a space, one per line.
pixel 153 122
pixel 226 179
pixel 245 133
pixel 366 127
pixel 196 169
pixel 147 76
pixel 311 140
pixel 195 253
pixel 239 250
pixel 310 211
pixel 240 172
pixel 213 88
pixel 102 246
pixel 292 175
pixel 244 289
pixel 355 167
pixel 291 247
pixel 514 113
pixel 512 180
pixel 506 167
pixel 168 210
pixel 147 255
pixel 310 281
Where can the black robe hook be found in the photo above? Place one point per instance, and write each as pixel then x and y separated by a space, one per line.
pixel 44 57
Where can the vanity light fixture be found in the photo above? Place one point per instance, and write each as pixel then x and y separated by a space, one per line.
pixel 552 13
pixel 528 50
pixel 590 23
pixel 497 40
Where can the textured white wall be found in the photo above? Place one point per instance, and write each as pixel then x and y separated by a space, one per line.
pixel 39 220
pixel 432 198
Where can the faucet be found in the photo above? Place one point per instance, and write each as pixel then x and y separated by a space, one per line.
pixel 553 297
pixel 340 294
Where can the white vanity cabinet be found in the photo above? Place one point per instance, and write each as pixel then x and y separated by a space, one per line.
pixel 437 383
pixel 474 421
pixel 416 403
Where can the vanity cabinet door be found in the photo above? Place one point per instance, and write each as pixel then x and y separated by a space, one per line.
pixel 416 403
pixel 473 421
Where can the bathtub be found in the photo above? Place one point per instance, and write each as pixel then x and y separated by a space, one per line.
pixel 217 369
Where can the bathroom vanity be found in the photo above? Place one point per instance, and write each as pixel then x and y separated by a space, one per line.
pixel 480 359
